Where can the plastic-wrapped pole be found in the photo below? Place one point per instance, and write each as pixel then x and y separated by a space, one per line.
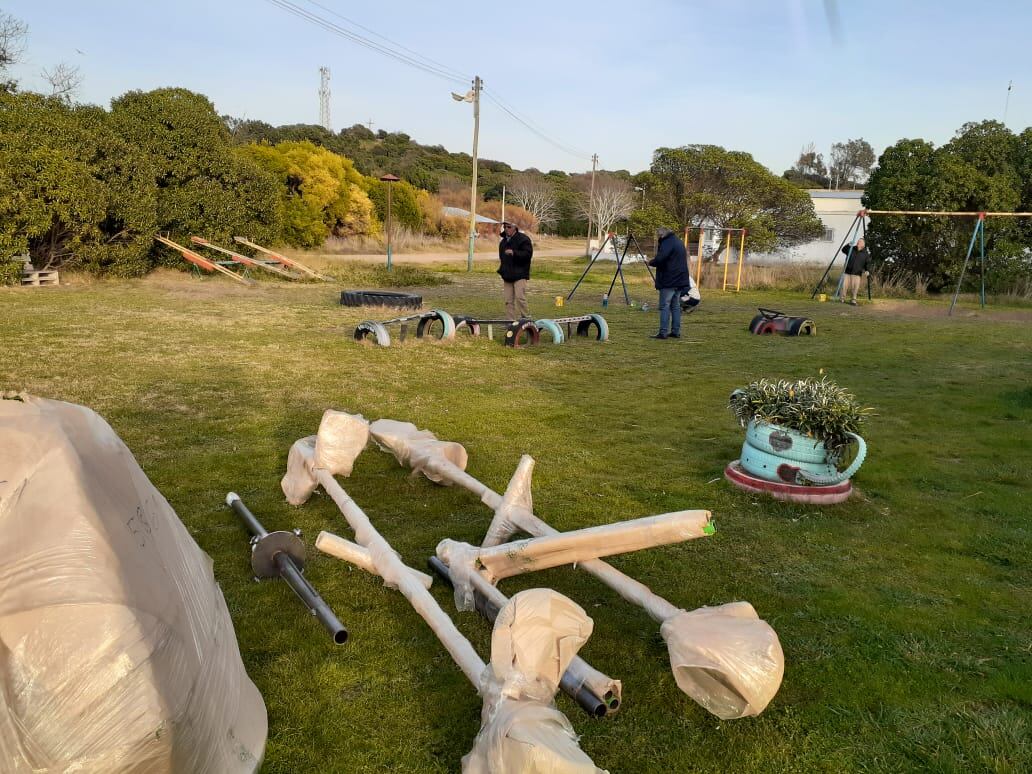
pixel 578 680
pixel 282 554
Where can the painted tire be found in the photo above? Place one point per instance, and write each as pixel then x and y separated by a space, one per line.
pixel 757 321
pixel 468 324
pixel 380 298
pixel 800 326
pixel 521 328
pixel 785 443
pixel 824 495
pixel 374 329
pixel 596 321
pixel 554 329
pixel 773 467
pixel 861 454
pixel 437 315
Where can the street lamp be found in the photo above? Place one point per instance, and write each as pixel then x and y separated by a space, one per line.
pixel 473 95
pixel 642 189
pixel 389 180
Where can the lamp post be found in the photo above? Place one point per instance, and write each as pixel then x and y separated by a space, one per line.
pixel 473 95
pixel 389 180
pixel 642 189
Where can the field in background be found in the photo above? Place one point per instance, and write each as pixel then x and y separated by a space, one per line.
pixel 903 613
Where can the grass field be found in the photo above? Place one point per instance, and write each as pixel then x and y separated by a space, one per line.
pixel 903 614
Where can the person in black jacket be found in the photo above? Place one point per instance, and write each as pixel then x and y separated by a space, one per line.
pixel 671 264
pixel 514 254
pixel 857 265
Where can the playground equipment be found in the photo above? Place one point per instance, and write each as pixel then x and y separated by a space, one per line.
pixel 536 635
pixel 727 251
pixel 290 263
pixel 282 555
pixel 611 239
pixel 271 266
pixel 427 325
pixel 518 333
pixel 859 229
pixel 725 658
pixel 201 262
pixel 772 321
pixel 525 332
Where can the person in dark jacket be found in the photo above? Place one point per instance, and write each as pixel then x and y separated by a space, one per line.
pixel 671 264
pixel 857 265
pixel 514 254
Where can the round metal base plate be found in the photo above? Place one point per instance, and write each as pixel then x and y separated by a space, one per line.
pixel 263 554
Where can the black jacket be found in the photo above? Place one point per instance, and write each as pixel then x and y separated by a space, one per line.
pixel 859 261
pixel 516 266
pixel 671 263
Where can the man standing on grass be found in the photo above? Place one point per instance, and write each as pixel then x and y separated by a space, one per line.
pixel 514 254
pixel 857 264
pixel 671 264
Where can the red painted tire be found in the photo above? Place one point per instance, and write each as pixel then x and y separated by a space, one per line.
pixel 793 493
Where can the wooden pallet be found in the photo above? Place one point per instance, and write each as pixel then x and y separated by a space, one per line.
pixel 40 278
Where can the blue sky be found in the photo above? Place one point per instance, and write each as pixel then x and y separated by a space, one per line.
pixel 617 79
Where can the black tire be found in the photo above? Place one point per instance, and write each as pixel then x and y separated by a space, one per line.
pixel 522 329
pixel 471 326
pixel 386 298
pixel 598 323
pixel 800 326
pixel 428 325
pixel 371 328
pixel 757 321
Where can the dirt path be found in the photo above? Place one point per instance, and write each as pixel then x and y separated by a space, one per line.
pixel 452 256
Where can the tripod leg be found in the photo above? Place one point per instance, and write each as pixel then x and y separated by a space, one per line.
pixel 590 264
pixel 834 258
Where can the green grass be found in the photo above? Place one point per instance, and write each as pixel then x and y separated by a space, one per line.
pixel 904 613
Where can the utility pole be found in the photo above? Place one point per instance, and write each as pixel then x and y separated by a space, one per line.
pixel 477 84
pixel 503 202
pixel 591 202
pixel 324 98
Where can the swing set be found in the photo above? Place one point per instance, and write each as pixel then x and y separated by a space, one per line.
pixel 727 248
pixel 859 229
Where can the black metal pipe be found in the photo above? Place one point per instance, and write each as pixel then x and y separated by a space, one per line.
pixel 595 706
pixel 290 572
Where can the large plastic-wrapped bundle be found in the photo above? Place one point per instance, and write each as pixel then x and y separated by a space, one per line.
pixel 117 652
pixel 417 448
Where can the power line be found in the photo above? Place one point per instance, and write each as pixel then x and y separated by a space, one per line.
pixel 539 132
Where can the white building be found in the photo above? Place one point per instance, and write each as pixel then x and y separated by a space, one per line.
pixel 837 211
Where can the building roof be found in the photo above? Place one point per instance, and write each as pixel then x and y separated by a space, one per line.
pixel 458 212
pixel 820 193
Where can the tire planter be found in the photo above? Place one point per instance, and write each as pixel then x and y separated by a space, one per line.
pixel 814 495
pixel 375 330
pixel 771 321
pixel 554 329
pixel 386 298
pixel 596 321
pixel 782 455
pixel 522 333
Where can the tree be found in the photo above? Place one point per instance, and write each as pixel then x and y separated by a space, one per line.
pixel 64 80
pixel 706 185
pixel 981 169
pixel 851 162
pixel 203 186
pixel 809 170
pixel 535 194
pixel 12 45
pixel 613 200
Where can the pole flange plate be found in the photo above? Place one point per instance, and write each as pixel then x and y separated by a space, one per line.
pixel 263 554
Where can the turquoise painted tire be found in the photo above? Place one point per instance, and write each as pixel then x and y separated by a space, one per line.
pixel 435 315
pixel 773 467
pixel 861 455
pixel 554 329
pixel 599 322
pixel 785 442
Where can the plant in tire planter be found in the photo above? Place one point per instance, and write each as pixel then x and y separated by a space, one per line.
pixel 799 432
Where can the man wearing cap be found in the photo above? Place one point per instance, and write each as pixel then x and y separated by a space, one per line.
pixel 671 264
pixel 514 254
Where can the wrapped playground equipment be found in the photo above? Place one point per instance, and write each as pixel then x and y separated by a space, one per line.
pixel 117 652
pixel 537 633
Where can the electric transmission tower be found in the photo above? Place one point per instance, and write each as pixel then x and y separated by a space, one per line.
pixel 324 98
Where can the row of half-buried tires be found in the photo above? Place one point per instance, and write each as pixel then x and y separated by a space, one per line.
pixel 440 325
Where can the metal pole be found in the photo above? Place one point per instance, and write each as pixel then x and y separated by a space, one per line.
pixel 727 257
pixel 477 83
pixel 741 260
pixel 971 247
pixel 503 203
pixel 591 203
pixel 982 250
pixel 834 258
pixel 698 272
pixel 282 554
pixel 591 263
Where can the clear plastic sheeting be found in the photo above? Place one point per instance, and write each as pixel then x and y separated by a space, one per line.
pixel 342 437
pixel 117 652
pixel 417 449
pixel 298 482
pixel 536 635
pixel 725 658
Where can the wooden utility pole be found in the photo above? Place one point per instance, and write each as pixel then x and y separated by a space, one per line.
pixel 503 203
pixel 591 202
pixel 477 84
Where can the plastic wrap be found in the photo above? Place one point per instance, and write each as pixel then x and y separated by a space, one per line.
pixel 535 637
pixel 299 482
pixel 418 449
pixel 726 658
pixel 346 551
pixel 117 652
pixel 341 438
pixel 517 502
